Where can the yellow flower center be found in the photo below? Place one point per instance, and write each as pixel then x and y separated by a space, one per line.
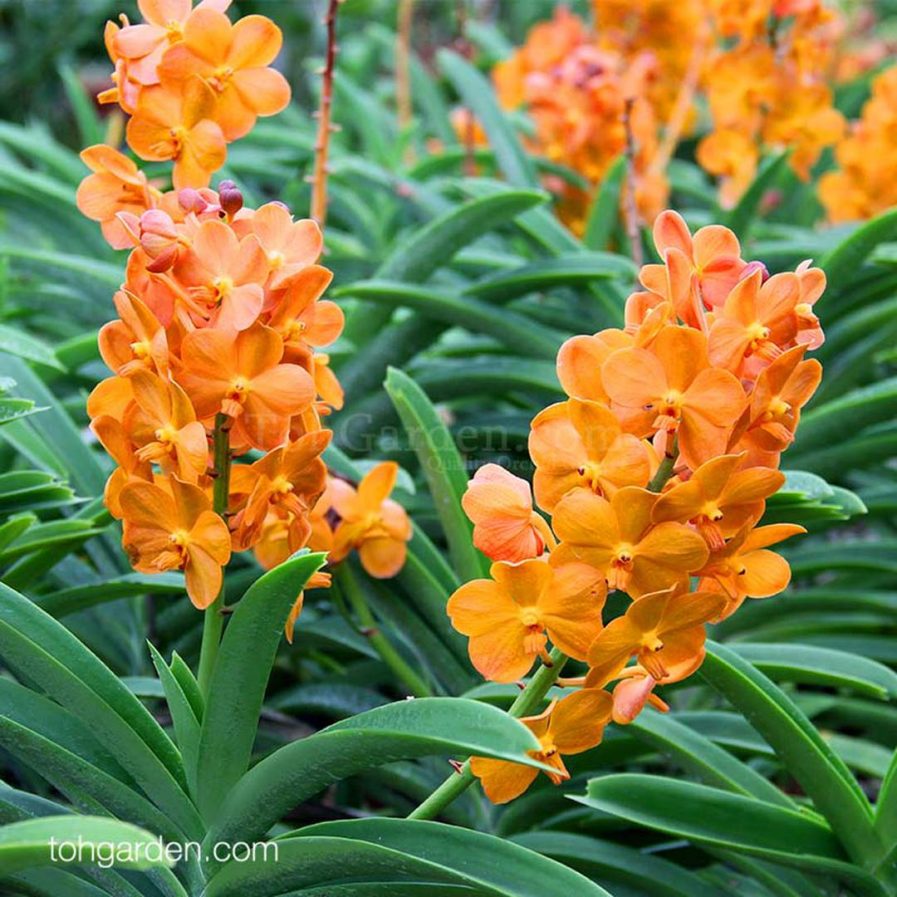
pixel 712 512
pixel 276 260
pixel 778 407
pixel 223 286
pixel 295 330
pixel 220 78
pixel 166 434
pixel 591 474
pixel 281 485
pixel 529 616
pixel 141 349
pixel 757 332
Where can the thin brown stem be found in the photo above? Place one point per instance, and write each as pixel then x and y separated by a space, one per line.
pixel 630 211
pixel 325 128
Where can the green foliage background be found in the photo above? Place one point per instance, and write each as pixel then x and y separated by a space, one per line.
pixel 773 776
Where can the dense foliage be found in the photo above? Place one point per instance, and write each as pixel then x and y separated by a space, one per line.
pixel 466 246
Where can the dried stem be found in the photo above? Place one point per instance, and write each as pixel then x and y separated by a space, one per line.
pixel 630 212
pixel 325 128
pixel 403 69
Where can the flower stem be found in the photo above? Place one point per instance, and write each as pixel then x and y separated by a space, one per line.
pixel 213 621
pixel 665 470
pixel 325 128
pixel 527 702
pixel 370 629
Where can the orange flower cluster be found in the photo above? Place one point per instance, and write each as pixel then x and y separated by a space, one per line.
pixel 654 471
pixel 766 88
pixel 192 82
pixel 215 352
pixel 861 187
pixel 583 98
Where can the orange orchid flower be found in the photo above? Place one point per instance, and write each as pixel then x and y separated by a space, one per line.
pixel 290 246
pixel 112 396
pixel 224 276
pixel 176 529
pixel 672 388
pixel 329 390
pixel 782 389
pixel 664 631
pixel 505 526
pixel 116 185
pixel 756 321
pixel 125 89
pixel 163 425
pixel 569 726
pixel 812 286
pixel 746 568
pixel 711 261
pixel 234 60
pixel 177 122
pixel 578 444
pixel 138 340
pixel 319 580
pixel 371 522
pixel 118 444
pixel 719 499
pixel 580 359
pixel 617 537
pixel 144 45
pixel 290 478
pixel 238 373
pixel 302 318
pixel 511 617
pixel 630 695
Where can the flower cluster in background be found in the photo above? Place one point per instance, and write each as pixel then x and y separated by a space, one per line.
pixel 215 353
pixel 648 72
pixel 654 473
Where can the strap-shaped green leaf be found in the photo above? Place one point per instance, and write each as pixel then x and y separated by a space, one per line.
pixel 820 772
pixel 443 468
pixel 240 676
pixel 401 731
pixel 842 263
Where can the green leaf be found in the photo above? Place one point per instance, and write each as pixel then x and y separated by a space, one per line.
pixel 494 864
pixel 242 668
pixel 741 216
pixel 408 729
pixel 572 271
pixel 734 822
pixel 821 773
pixel 477 95
pixel 442 466
pixel 604 213
pixel 614 863
pixel 75 598
pixel 40 650
pixel 26 844
pixel 17 342
pixel 514 330
pixel 821 666
pixel 842 263
pixel 701 757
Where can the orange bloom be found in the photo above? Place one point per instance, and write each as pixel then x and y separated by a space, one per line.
pixel 719 499
pixel 782 389
pixel 319 580
pixel 144 45
pixel 580 359
pixel 116 185
pixel 302 318
pixel 505 526
pixel 664 631
pixel 712 261
pixel 136 341
pixel 569 726
pixel 745 567
pixel 239 374
pixel 812 286
pixel 671 387
pixel 177 122
pixel 618 538
pixel 233 59
pixel 290 478
pixel 327 386
pixel 129 468
pixel 162 423
pixel 510 617
pixel 756 321
pixel 176 529
pixel 577 444
pixel 290 246
pixel 223 276
pixel 371 522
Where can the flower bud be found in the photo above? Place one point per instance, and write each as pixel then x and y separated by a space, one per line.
pixel 231 198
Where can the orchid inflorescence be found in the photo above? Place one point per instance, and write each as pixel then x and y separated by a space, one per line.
pixel 654 474
pixel 215 353
pixel 641 77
